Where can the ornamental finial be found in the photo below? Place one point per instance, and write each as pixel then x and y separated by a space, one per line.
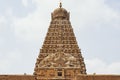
pixel 60 4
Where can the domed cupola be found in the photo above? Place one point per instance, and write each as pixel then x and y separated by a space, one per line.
pixel 60 13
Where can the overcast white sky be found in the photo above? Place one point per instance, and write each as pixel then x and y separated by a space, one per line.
pixel 24 23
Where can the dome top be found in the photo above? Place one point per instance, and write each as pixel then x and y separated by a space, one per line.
pixel 60 13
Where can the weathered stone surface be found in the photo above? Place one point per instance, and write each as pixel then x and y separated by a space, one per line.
pixel 78 77
pixel 17 77
pixel 97 77
pixel 60 56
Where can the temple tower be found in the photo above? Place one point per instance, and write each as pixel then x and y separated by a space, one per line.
pixel 60 57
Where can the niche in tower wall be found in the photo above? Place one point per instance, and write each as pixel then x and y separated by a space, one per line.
pixel 59 73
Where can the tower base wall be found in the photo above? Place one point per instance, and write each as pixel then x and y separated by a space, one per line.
pixel 78 77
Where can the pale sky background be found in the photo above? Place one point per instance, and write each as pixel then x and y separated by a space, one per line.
pixel 24 24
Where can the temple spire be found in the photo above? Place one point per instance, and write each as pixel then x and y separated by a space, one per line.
pixel 60 57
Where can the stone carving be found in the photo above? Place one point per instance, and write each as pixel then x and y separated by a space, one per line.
pixel 60 49
pixel 59 60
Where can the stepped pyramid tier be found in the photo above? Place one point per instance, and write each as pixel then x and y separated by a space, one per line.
pixel 60 56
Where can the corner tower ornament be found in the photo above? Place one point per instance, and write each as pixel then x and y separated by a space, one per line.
pixel 60 57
